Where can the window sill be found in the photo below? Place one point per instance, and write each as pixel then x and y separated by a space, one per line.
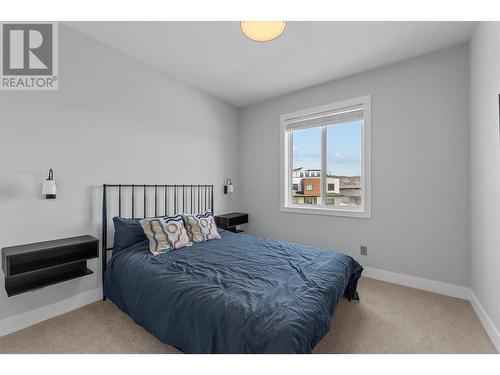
pixel 327 211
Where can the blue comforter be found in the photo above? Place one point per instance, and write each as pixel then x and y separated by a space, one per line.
pixel 240 294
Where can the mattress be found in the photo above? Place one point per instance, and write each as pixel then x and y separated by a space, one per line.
pixel 240 294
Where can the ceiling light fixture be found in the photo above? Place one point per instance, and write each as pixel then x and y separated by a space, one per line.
pixel 262 31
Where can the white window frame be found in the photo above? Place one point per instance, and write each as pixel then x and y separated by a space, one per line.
pixel 286 162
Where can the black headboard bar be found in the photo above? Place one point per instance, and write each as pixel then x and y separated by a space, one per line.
pixel 119 200
pixel 104 236
pixel 202 199
pixel 175 198
pixel 145 203
pixel 133 200
pixel 156 200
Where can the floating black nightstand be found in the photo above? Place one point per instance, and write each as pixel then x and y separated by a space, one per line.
pixel 231 220
pixel 36 265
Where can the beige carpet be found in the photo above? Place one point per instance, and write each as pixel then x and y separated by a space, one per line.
pixel 388 319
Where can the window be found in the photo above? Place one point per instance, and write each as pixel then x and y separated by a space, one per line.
pixel 310 200
pixel 330 200
pixel 331 144
pixel 295 186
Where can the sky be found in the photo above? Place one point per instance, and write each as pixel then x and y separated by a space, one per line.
pixel 343 149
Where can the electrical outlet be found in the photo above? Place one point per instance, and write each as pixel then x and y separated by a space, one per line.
pixel 363 250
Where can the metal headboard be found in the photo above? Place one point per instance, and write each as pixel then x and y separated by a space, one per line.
pixel 176 198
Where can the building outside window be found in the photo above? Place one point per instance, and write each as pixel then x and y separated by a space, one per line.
pixel 326 159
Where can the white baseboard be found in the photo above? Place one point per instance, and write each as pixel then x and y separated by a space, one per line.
pixel 434 286
pixel 20 321
pixel 439 287
pixel 488 325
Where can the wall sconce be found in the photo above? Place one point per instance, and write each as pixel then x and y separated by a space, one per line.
pixel 228 186
pixel 49 186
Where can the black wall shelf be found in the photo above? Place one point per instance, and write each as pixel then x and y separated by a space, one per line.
pixel 33 266
pixel 231 220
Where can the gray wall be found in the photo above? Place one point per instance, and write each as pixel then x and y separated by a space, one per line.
pixel 485 167
pixel 112 120
pixel 420 168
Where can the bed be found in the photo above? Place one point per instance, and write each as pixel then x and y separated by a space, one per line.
pixel 239 294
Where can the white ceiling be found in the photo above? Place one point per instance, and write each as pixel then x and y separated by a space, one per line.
pixel 217 58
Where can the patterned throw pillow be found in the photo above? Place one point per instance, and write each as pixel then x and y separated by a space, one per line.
pixel 165 233
pixel 201 227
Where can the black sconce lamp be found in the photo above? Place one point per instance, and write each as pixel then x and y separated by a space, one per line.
pixel 49 189
pixel 228 186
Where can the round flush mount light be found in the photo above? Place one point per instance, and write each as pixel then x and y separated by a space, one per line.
pixel 262 31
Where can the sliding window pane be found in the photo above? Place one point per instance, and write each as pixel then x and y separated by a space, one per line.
pixel 344 164
pixel 306 157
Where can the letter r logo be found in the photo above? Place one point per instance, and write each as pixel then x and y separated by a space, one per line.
pixel 27 49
